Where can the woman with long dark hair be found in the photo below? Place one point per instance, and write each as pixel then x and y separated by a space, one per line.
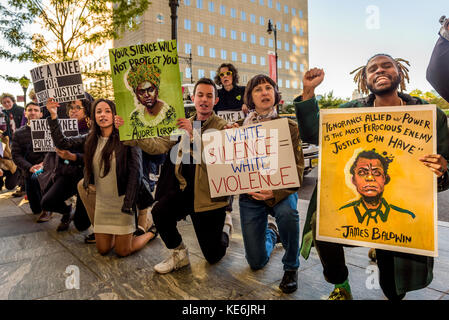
pixel 114 171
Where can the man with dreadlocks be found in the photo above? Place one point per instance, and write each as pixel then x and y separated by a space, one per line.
pixel 380 78
pixel 150 110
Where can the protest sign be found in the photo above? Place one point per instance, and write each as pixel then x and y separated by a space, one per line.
pixel 41 136
pixel 231 116
pixel 250 158
pixel 372 189
pixel 61 81
pixel 147 89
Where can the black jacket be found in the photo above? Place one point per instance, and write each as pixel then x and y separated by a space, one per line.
pixel 128 165
pixel 22 150
pixel 17 114
pixel 438 69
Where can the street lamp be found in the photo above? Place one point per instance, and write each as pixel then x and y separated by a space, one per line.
pixel 24 83
pixel 174 4
pixel 270 29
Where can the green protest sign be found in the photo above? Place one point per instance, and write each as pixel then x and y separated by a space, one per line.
pixel 147 89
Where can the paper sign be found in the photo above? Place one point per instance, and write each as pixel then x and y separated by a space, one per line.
pixel 372 189
pixel 61 81
pixel 250 158
pixel 41 136
pixel 147 89
pixel 231 116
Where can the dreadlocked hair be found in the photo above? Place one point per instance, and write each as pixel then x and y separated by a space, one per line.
pixel 360 76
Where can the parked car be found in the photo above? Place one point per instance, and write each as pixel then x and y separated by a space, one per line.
pixel 310 151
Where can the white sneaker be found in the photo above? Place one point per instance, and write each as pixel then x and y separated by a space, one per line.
pixel 228 224
pixel 178 259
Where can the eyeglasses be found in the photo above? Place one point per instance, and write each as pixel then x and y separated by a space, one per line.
pixel 227 73
pixel 75 107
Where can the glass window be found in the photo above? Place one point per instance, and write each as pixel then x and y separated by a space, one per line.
pixel 261 2
pixel 295 84
pixel 211 29
pixel 199 27
pixel 200 51
pixel 211 6
pixel 234 56
pixel 187 24
pixel 300 13
pixel 279 44
pixel 286 27
pixel 188 73
pixel 243 36
pixel 270 43
pixel 252 18
pixel 293 12
pixel 199 4
pixel 223 32
pixel 279 64
pixel 286 9
pixel 294 48
pixel 301 32
pixel 233 35
pixel 212 74
pixel 262 61
pixel 243 15
pixel 279 26
pixel 223 54
pixel 287 83
pixel 244 60
pixel 253 38
pixel 270 3
pixel 262 21
pixel 200 73
pixel 262 41
pixel 222 10
pixel 280 83
pixel 293 29
pixel 302 49
pixel 212 52
pixel 187 48
pixel 301 67
pixel 278 6
pixel 233 13
pixel 295 66
pixel 286 46
pixel 253 59
pixel 187 2
pixel 287 65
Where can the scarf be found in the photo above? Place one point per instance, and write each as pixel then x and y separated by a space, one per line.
pixel 254 117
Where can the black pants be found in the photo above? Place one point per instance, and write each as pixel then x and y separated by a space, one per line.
pixel 9 180
pixel 34 193
pixel 60 190
pixel 208 225
pixel 332 258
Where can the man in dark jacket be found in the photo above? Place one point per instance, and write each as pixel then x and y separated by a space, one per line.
pixel 13 114
pixel 29 161
pixel 438 69
pixel 398 272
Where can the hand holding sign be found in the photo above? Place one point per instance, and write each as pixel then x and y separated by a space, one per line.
pixel 435 162
pixel 65 154
pixel 52 107
pixel 262 195
pixel 185 124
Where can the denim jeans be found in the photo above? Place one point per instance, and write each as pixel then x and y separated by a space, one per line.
pixel 259 241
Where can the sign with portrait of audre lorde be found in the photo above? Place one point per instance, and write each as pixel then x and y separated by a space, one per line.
pixel 61 81
pixel 41 136
pixel 147 89
pixel 373 190
pixel 250 158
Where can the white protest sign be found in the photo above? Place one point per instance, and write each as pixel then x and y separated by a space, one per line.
pixel 250 158
pixel 41 136
pixel 61 81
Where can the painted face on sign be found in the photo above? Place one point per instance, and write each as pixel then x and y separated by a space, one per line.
pixel 33 112
pixel 369 177
pixel 147 94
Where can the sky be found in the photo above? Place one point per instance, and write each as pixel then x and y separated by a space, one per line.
pixel 343 34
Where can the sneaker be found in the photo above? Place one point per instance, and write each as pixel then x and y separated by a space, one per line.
pixel 44 216
pixel 289 281
pixel 340 294
pixel 18 193
pixel 228 226
pixel 65 222
pixel 372 254
pixel 274 227
pixel 89 239
pixel 178 259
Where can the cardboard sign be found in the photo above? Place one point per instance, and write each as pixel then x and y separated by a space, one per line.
pixel 61 81
pixel 231 116
pixel 41 136
pixel 147 89
pixel 372 189
pixel 250 158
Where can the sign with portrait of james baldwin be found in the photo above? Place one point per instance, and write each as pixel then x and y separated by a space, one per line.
pixel 61 81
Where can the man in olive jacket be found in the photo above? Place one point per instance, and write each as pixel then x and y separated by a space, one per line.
pixel 183 186
pixel 398 272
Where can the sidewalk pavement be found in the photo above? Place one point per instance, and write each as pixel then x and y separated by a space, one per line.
pixel 34 259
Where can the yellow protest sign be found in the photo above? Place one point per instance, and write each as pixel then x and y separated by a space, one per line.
pixel 372 189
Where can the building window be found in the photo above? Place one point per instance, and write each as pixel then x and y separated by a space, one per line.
pixel 187 24
pixel 233 35
pixel 279 26
pixel 293 12
pixel 200 73
pixel 295 84
pixel 261 2
pixel 253 59
pixel 286 9
pixel 262 41
pixel 301 32
pixel 287 65
pixel 187 2
pixel 293 48
pixel 243 36
pixel 199 4
pixel 293 29
pixel 243 15
pixel 301 67
pixel 300 13
pixel 252 18
pixel 222 10
pixel 262 21
pixel 244 58
pixel 211 6
pixel 223 32
pixel 223 54
pixel 233 13
pixel 199 27
pixel 278 6
pixel 212 52
pixel 286 46
pixel 287 83
pixel 262 61
pixel 160 18
pixel 270 43
pixel 188 73
pixel 286 27
pixel 280 83
pixel 253 38
pixel 279 64
pixel 211 30
pixel 279 44
pixel 295 66
pixel 187 48
pixel 301 49
pixel 212 74
pixel 201 51
pixel 234 56
pixel 270 3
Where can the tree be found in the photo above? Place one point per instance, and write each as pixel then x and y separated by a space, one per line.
pixel 66 26
pixel 431 97
pixel 328 101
